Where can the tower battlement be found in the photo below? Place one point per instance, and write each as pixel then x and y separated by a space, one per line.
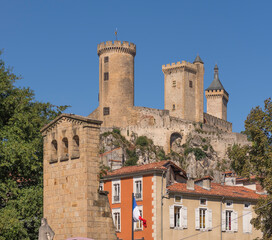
pixel 182 64
pixel 116 46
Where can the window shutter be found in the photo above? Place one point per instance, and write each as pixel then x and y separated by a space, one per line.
pixel 249 224
pixel 223 220
pixel 184 217
pixel 197 218
pixel 209 211
pixel 171 215
pixel 234 219
pixel 247 227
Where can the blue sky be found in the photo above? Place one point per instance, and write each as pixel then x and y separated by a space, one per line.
pixel 52 45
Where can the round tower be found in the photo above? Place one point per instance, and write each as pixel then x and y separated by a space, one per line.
pixel 116 80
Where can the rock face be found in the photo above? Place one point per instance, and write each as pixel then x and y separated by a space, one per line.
pixel 200 155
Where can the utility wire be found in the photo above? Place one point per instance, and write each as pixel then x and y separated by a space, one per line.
pixel 220 224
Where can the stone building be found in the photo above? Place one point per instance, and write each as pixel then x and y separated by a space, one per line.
pixel 183 101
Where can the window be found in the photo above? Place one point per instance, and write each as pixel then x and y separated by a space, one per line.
pixel 138 188
pixel 101 186
pixel 247 216
pixel 64 152
pixel 106 59
pixel 116 191
pixel 202 214
pixel 75 153
pixel 106 76
pixel 203 219
pixel 106 111
pixel 139 225
pixel 178 199
pixel 54 151
pixel 247 205
pixel 116 216
pixel 203 201
pixel 174 83
pixel 229 221
pixel 229 204
pixel 178 216
pixel 174 107
pixel 190 84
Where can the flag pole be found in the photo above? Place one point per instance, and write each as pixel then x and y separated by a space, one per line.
pixel 132 227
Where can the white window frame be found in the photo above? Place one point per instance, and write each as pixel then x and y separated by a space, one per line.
pixel 231 204
pixel 208 219
pixel 233 220
pixel 206 202
pixel 180 199
pixel 101 186
pixel 182 216
pixel 114 211
pixel 139 223
pixel 135 180
pixel 113 191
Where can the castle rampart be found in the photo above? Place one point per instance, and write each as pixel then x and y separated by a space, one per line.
pixel 116 46
pixel 217 122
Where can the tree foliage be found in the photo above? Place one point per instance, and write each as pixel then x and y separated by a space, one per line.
pixel 257 160
pixel 21 154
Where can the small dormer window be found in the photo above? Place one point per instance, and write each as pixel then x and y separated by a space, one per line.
pixel 203 201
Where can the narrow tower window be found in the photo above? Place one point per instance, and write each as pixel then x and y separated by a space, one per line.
pixel 64 155
pixel 106 59
pixel 75 153
pixel 174 83
pixel 106 111
pixel 174 107
pixel 54 151
pixel 106 76
pixel 190 84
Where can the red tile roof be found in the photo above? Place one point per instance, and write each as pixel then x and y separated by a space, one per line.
pixel 161 165
pixel 203 178
pixel 217 190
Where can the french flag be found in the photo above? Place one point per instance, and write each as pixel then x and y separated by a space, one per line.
pixel 136 213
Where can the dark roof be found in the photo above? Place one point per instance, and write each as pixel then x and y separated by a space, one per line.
pixel 216 84
pixel 198 59
pixel 217 190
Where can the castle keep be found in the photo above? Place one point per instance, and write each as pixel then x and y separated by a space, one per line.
pixel 183 99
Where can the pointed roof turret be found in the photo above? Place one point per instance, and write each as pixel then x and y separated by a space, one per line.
pixel 198 59
pixel 216 84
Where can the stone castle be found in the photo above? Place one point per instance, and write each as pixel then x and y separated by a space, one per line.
pixel 72 203
pixel 183 100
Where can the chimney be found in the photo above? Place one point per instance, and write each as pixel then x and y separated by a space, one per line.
pixel 190 184
pixel 207 183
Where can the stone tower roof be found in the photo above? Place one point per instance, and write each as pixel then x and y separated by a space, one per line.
pixel 198 59
pixel 216 84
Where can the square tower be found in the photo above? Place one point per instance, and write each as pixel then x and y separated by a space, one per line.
pixel 73 205
pixel 217 98
pixel 183 89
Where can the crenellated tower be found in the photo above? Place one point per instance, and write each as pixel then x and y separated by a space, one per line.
pixel 116 81
pixel 217 98
pixel 183 89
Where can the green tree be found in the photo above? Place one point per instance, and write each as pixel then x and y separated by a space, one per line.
pixel 21 154
pixel 257 160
